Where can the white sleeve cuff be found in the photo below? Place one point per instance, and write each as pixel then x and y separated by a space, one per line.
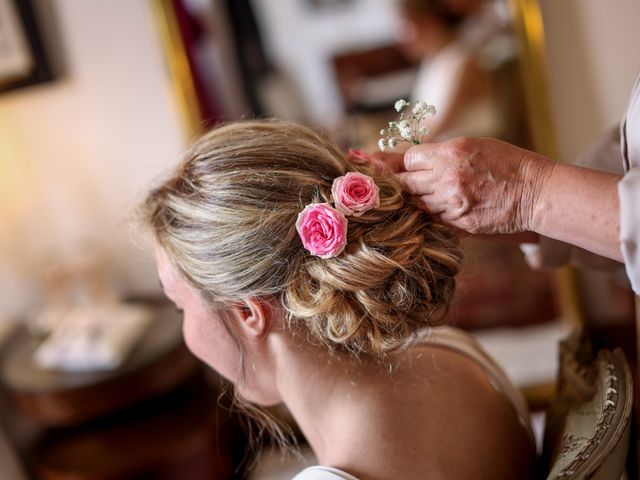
pixel 629 195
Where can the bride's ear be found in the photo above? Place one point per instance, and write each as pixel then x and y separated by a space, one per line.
pixel 253 318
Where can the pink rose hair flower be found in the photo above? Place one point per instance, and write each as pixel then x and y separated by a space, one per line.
pixel 322 229
pixel 355 194
pixel 360 157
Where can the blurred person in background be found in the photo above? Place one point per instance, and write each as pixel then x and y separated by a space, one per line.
pixel 452 44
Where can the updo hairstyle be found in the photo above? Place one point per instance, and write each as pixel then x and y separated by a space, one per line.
pixel 226 219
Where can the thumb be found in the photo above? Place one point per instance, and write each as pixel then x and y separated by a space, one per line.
pixel 420 157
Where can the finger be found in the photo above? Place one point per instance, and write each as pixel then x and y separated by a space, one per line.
pixel 442 220
pixel 432 204
pixel 438 218
pixel 420 157
pixel 392 160
pixel 417 183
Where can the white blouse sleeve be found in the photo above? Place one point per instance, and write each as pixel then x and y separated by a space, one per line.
pixel 629 194
pixel 629 189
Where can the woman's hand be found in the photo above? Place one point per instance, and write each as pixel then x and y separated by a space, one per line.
pixel 479 185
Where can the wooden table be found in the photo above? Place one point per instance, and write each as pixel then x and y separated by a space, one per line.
pixel 158 364
pixel 155 417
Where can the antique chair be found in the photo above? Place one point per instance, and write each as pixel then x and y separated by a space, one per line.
pixel 587 425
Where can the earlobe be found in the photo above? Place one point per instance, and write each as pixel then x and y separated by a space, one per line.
pixel 254 318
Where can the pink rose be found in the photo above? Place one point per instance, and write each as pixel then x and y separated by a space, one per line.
pixel 355 193
pixel 359 157
pixel 322 229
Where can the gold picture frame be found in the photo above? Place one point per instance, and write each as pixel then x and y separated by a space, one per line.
pixel 529 28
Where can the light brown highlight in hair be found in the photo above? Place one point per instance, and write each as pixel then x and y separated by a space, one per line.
pixel 227 220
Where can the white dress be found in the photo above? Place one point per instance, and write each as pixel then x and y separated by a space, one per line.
pixel 459 341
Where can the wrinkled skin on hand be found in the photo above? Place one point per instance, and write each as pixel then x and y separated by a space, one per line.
pixel 480 185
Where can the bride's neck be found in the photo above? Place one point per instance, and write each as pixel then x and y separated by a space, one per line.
pixel 330 396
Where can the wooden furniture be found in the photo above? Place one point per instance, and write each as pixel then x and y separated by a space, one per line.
pixel 155 417
pixel 181 436
pixel 588 424
pixel 159 363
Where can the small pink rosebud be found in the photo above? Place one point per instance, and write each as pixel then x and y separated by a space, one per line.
pixel 360 157
pixel 355 194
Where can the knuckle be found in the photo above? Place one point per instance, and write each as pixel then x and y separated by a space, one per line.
pixel 461 145
pixel 456 181
pixel 470 224
pixel 458 202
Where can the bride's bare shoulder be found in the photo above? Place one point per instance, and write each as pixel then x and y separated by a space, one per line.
pixel 468 425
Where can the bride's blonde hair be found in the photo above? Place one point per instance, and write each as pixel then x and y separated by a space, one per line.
pixel 227 218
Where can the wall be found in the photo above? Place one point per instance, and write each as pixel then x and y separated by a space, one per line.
pixel 593 62
pixel 77 154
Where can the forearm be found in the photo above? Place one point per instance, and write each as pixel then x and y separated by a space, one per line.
pixel 580 206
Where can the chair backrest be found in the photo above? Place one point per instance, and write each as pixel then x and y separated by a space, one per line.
pixel 587 425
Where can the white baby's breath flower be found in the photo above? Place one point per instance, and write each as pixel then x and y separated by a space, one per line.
pixel 419 107
pixel 400 104
pixel 404 129
pixel 407 128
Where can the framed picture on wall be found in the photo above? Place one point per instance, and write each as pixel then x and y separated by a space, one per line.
pixel 22 56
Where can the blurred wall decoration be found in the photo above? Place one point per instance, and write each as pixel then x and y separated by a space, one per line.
pixel 23 57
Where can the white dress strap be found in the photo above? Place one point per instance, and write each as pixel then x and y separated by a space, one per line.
pixel 323 473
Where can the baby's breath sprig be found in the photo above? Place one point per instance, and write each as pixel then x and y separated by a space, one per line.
pixel 408 128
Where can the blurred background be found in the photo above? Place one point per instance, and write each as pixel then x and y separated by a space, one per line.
pixel 98 100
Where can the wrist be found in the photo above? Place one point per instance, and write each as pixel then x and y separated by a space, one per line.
pixel 536 175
